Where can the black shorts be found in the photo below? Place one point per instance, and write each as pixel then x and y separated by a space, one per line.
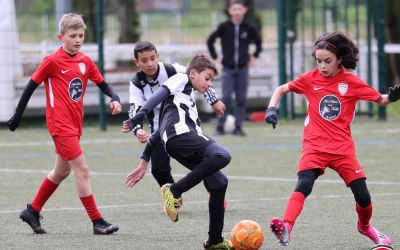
pixel 188 149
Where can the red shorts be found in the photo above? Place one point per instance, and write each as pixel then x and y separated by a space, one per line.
pixel 67 147
pixel 346 166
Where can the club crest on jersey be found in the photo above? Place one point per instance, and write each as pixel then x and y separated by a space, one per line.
pixel 75 89
pixel 342 88
pixel 82 68
pixel 329 107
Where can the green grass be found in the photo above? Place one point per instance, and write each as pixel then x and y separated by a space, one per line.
pixel 262 176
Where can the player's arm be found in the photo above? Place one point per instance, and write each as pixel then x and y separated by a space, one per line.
pixel 271 114
pixel 14 121
pixel 156 98
pixel 212 99
pixel 138 173
pixel 115 103
pixel 392 96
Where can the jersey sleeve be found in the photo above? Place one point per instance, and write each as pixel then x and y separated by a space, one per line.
pixel 210 96
pixel 176 83
pixel 366 92
pixel 43 70
pixel 179 68
pixel 94 73
pixel 298 85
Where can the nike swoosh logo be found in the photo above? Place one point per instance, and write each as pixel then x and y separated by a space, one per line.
pixel 318 88
pixel 64 71
pixel 358 171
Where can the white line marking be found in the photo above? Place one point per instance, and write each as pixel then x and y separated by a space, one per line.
pixel 159 204
pixel 231 177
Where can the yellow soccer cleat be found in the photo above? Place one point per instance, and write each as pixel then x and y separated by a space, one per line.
pixel 171 204
pixel 224 245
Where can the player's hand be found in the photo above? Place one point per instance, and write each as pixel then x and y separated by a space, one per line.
pixel 142 135
pixel 128 125
pixel 394 93
pixel 271 116
pixel 13 123
pixel 116 107
pixel 219 108
pixel 137 174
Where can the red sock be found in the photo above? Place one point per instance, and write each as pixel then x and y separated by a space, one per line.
pixel 91 208
pixel 44 192
pixel 293 208
pixel 364 215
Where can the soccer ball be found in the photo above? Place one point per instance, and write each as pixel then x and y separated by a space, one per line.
pixel 229 124
pixel 247 235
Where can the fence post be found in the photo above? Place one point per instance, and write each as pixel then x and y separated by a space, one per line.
pixel 380 32
pixel 99 38
pixel 282 54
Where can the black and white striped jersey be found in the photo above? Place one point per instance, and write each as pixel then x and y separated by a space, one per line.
pixel 140 90
pixel 179 113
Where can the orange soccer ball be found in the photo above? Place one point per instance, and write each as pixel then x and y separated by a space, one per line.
pixel 247 235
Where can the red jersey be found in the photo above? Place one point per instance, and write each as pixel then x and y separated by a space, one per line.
pixel 65 78
pixel 331 109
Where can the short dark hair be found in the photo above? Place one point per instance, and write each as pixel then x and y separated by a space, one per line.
pixel 142 46
pixel 200 63
pixel 242 2
pixel 341 45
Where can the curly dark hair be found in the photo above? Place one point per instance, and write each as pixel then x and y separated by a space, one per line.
pixel 339 44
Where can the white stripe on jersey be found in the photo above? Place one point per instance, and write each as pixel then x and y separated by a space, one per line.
pixel 177 109
pixel 51 94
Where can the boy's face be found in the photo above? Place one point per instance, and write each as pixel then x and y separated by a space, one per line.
pixel 72 40
pixel 147 61
pixel 236 12
pixel 203 80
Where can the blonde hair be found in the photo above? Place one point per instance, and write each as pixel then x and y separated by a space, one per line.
pixel 71 21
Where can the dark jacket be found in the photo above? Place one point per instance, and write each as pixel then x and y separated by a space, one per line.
pixel 226 32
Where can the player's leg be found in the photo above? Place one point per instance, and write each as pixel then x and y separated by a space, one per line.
pixel 31 214
pixel 364 212
pixel 217 184
pixel 198 153
pixel 81 171
pixel 213 159
pixel 282 227
pixel 160 164
pixel 227 79
pixel 241 84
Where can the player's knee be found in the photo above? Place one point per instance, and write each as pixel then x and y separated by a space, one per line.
pixel 64 174
pixel 216 181
pixel 220 156
pixel 82 172
pixel 363 198
pixel 360 192
pixel 224 158
pixel 304 185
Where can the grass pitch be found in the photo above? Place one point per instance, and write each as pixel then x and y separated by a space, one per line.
pixel 262 175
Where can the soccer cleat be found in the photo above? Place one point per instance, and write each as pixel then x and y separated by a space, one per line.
pixel 171 204
pixel 238 132
pixel 100 226
pixel 30 216
pixel 281 231
pixel 180 202
pixel 219 130
pixel 224 245
pixel 376 236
